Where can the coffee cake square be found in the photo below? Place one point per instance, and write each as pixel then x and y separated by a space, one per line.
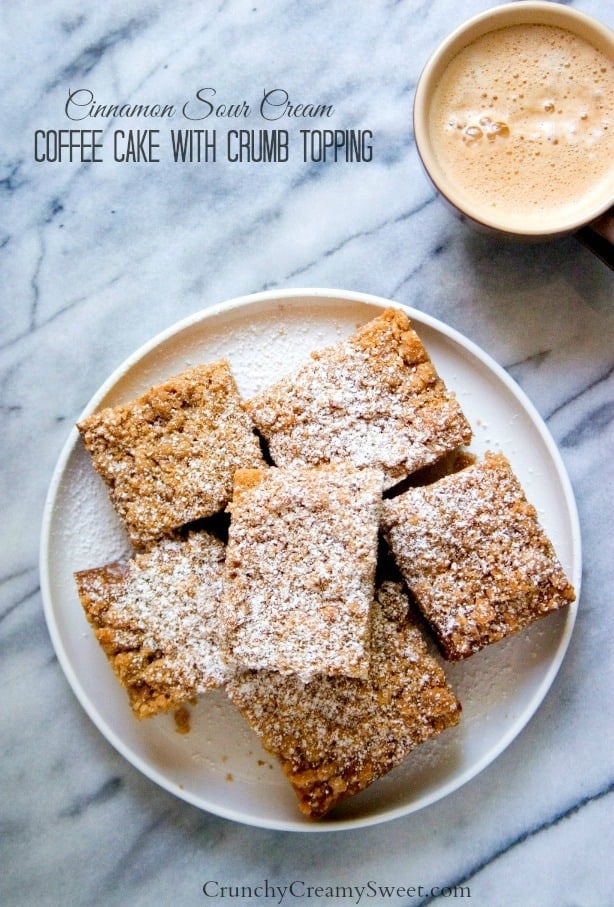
pixel 472 551
pixel 300 567
pixel 156 618
pixel 334 736
pixel 374 399
pixel 168 458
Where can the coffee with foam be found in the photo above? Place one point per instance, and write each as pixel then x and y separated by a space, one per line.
pixel 521 124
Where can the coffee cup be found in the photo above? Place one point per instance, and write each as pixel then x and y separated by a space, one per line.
pixel 514 120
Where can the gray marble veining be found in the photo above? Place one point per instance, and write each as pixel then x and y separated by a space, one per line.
pixel 97 258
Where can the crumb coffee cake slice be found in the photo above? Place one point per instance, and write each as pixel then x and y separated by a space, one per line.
pixel 168 458
pixel 300 568
pixel 474 555
pixel 156 618
pixel 374 399
pixel 334 736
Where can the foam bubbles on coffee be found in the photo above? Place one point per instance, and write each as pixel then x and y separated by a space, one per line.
pixel 521 121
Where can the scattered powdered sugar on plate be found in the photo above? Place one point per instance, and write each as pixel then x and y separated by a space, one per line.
pixel 265 338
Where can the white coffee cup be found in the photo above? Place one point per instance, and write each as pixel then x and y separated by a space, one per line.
pixel 476 183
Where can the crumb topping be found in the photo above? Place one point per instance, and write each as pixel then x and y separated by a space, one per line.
pixel 334 678
pixel 335 735
pixel 300 569
pixel 156 617
pixel 182 720
pixel 168 458
pixel 374 399
pixel 473 553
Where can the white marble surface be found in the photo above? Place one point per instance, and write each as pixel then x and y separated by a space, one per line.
pixel 97 258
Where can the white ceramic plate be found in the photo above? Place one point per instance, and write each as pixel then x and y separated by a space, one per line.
pixel 219 766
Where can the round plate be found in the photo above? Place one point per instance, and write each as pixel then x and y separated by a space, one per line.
pixel 220 766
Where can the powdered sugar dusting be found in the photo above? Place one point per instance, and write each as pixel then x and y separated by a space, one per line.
pixel 168 457
pixel 374 399
pixel 156 616
pixel 300 569
pixel 473 553
pixel 335 735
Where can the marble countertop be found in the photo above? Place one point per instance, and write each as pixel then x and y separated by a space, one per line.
pixel 96 258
